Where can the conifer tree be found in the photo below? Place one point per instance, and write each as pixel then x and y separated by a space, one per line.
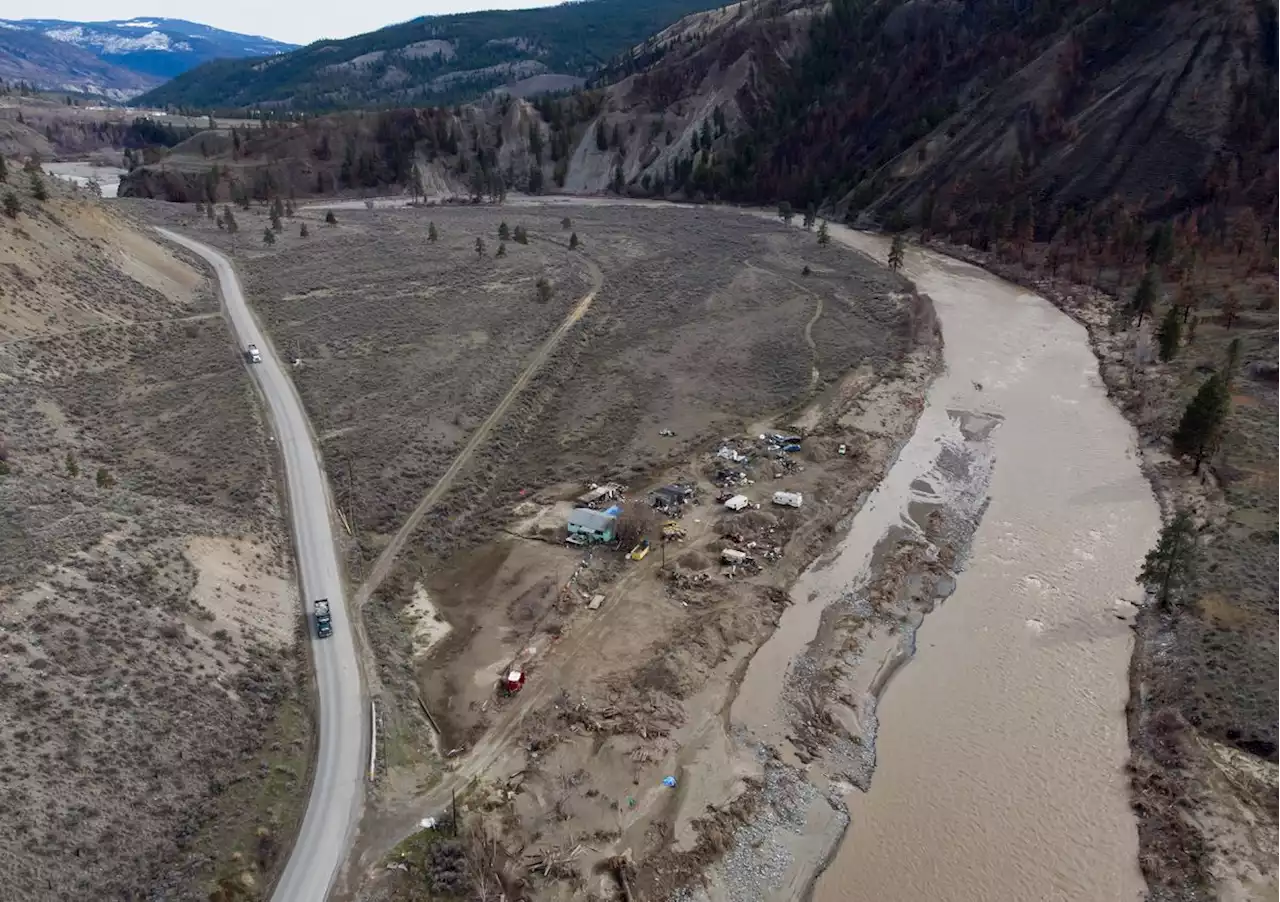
pixel 897 252
pixel 1202 422
pixel 1170 334
pixel 1168 565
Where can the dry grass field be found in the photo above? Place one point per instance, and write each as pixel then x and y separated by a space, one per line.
pixel 152 723
pixel 702 323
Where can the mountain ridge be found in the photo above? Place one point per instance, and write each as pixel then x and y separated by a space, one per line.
pixel 432 59
pixel 153 47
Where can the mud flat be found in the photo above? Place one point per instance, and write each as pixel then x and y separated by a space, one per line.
pixel 996 731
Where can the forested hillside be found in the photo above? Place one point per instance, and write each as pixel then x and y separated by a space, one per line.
pixel 431 60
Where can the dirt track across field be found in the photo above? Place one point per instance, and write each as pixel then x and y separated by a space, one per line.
pixel 386 560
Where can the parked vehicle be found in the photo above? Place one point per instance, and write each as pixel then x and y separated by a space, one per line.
pixel 252 354
pixel 788 499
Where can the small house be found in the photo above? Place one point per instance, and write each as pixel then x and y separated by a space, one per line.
pixel 592 526
pixel 671 497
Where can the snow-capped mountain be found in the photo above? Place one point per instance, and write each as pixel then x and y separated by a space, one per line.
pixel 151 46
pixel 29 57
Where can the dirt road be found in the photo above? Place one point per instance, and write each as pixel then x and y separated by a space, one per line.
pixel 386 560
pixel 337 786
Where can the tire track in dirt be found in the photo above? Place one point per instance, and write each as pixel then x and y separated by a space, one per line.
pixel 814 375
pixel 382 566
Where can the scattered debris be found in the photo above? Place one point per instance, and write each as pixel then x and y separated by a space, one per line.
pixel 727 453
pixel 669 782
pixel 666 433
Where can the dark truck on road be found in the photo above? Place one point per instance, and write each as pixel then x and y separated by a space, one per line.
pixel 324 622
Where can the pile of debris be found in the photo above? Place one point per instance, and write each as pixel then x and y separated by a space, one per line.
pixel 724 478
pixel 600 494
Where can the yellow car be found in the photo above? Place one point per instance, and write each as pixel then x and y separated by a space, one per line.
pixel 638 553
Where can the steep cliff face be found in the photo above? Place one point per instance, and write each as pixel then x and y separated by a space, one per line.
pixel 1162 113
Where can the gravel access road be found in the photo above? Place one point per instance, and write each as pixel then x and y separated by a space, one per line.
pixel 341 757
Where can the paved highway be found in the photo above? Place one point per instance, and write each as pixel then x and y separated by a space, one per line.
pixel 342 757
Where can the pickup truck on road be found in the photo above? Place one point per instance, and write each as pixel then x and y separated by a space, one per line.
pixel 252 354
pixel 324 622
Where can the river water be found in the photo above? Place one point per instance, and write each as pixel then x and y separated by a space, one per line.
pixel 1001 745
pixel 80 172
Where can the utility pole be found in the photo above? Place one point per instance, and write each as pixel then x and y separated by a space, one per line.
pixel 351 514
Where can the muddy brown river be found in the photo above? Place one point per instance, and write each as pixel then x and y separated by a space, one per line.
pixel 1001 743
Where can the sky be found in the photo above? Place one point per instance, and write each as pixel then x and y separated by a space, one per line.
pixel 296 21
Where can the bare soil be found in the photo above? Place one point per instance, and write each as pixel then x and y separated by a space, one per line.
pixel 154 727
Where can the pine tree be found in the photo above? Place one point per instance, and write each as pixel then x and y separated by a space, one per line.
pixel 432 233
pixel 785 213
pixel 1144 296
pixel 104 478
pixel 1169 334
pixel 573 241
pixel 4 169
pixel 479 246
pixel 504 233
pixel 12 206
pixel 897 252
pixel 73 468
pixel 1202 422
pixel 502 249
pixel 330 219
pixel 1233 361
pixel 229 221
pixel 824 234
pixel 276 223
pixel 566 223
pixel 544 291
pixel 810 216
pixel 303 231
pixel 1230 309
pixel 38 190
pixel 268 236
pixel 520 236
pixel 602 140
pixel 1160 245
pixel 1168 565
